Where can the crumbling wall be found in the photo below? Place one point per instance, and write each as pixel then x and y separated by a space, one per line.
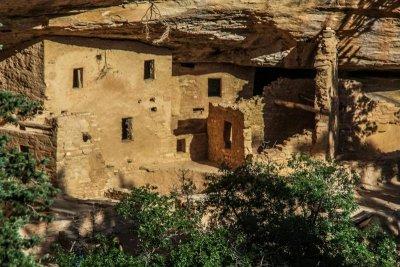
pixel 253 112
pixel 326 96
pixel 22 70
pixel 41 144
pixel 81 170
pixel 282 123
pixel 217 150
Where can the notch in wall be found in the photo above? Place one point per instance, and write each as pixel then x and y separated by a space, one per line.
pixel 181 145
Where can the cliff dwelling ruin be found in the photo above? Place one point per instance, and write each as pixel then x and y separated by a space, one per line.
pixel 123 112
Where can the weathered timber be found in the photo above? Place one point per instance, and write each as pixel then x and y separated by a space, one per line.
pixel 293 105
pixel 36 126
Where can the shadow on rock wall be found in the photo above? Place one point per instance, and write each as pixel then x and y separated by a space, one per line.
pixel 359 20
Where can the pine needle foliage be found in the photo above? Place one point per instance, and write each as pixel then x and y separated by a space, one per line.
pixel 25 190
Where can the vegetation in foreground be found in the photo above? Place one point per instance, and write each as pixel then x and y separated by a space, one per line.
pixel 25 191
pixel 256 217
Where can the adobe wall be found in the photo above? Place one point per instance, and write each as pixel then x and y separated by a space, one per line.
pixel 193 104
pixel 81 169
pixel 114 88
pixel 237 81
pixel 231 157
pixel 22 70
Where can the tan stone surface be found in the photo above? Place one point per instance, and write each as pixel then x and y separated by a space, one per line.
pixel 256 32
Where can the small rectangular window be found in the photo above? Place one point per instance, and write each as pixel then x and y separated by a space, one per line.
pixel 181 145
pixel 214 87
pixel 149 69
pixel 228 134
pixel 127 131
pixel 78 78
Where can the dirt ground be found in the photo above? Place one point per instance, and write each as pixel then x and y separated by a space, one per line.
pixel 383 201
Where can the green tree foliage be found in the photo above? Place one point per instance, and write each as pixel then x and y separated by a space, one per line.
pixel 297 216
pixel 261 215
pixel 14 107
pixel 25 190
pixel 168 234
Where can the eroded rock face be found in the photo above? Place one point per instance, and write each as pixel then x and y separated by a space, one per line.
pixel 253 32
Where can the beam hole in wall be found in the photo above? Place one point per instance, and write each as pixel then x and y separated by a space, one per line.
pixel 265 76
pixel 127 129
pixel 149 69
pixel 77 78
pixel 99 57
pixel 188 65
pixel 86 137
pixel 227 135
pixel 198 110
pixel 214 87
pixel 153 109
pixel 181 145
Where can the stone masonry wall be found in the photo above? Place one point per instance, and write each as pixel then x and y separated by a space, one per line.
pixel 237 81
pixel 114 88
pixel 369 127
pixel 81 170
pixel 326 95
pixel 282 123
pixel 22 70
pixel 217 152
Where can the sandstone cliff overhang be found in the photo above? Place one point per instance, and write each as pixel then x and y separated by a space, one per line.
pixel 257 32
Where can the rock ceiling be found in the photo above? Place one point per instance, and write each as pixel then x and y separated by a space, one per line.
pixel 246 32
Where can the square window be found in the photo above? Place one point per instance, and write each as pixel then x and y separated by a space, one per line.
pixel 214 87
pixel 77 78
pixel 227 135
pixel 149 69
pixel 181 145
pixel 127 130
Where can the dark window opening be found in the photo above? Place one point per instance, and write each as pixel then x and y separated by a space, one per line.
pixel 188 65
pixel 198 110
pixel 86 137
pixel 99 57
pixel 153 109
pixel 149 69
pixel 214 87
pixel 24 149
pixel 78 78
pixel 265 76
pixel 227 135
pixel 181 145
pixel 127 131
